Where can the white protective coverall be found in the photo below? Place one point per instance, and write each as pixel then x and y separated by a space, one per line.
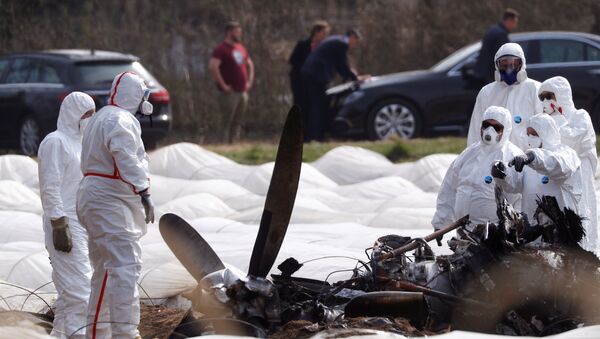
pixel 554 171
pixel 519 98
pixel 577 132
pixel 115 168
pixel 468 186
pixel 60 174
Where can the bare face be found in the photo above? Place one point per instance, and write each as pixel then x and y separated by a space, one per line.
pixel 511 24
pixel 322 34
pixel 353 41
pixel 235 34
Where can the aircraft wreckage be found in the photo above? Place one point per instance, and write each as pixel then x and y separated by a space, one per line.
pixel 499 278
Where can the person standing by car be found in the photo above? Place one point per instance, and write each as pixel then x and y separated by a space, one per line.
pixel 66 239
pixel 495 37
pixel 329 58
pixel 319 31
pixel 511 89
pixel 233 72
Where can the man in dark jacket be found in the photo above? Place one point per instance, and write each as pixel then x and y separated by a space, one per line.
pixel 495 37
pixel 329 58
pixel 319 31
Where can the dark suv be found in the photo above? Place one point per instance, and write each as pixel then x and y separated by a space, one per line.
pixel 33 85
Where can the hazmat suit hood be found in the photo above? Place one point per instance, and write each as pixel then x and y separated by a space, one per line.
pixel 561 88
pixel 503 116
pixel 547 130
pixel 73 107
pixel 513 49
pixel 127 91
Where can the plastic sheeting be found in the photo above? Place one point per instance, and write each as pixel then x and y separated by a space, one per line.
pixel 346 199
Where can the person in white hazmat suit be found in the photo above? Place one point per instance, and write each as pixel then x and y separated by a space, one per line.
pixel 468 186
pixel 577 132
pixel 513 90
pixel 114 204
pixel 547 168
pixel 66 240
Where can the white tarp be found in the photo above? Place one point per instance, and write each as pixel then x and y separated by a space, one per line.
pixel 346 200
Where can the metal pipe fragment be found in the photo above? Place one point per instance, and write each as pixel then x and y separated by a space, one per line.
pixel 413 245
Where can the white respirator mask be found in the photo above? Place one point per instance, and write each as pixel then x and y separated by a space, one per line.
pixel 550 106
pixel 534 141
pixel 83 123
pixel 146 107
pixel 490 136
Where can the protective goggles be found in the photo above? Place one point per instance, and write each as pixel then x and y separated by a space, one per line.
pixel 546 96
pixel 509 62
pixel 146 94
pixel 497 127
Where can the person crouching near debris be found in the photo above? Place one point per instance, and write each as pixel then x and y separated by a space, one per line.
pixel 114 204
pixel 468 186
pixel 577 132
pixel 66 240
pixel 547 168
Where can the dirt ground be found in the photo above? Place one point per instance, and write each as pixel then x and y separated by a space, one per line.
pixel 159 321
pixel 305 329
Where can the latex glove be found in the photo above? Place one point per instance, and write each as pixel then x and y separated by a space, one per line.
pixel 499 170
pixel 521 160
pixel 61 236
pixel 148 205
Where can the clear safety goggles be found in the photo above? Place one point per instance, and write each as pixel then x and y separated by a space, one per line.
pixel 492 123
pixel 509 62
pixel 546 96
pixel 146 94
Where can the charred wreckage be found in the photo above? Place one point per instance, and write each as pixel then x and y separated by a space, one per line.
pixel 501 278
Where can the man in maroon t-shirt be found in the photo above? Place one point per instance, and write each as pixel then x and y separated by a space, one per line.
pixel 233 72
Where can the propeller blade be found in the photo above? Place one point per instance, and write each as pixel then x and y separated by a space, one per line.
pixel 194 253
pixel 280 196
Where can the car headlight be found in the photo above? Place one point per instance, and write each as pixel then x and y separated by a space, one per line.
pixel 352 97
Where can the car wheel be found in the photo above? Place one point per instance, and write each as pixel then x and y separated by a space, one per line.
pixel 393 118
pixel 29 136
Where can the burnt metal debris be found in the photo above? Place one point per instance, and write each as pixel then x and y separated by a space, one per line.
pixel 516 277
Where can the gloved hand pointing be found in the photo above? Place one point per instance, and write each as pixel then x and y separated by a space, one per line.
pixel 499 170
pixel 61 236
pixel 148 205
pixel 521 160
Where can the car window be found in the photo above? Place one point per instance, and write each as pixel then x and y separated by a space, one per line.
pixel 49 74
pixel 592 53
pixel 103 73
pixel 3 64
pixel 19 71
pixel 554 50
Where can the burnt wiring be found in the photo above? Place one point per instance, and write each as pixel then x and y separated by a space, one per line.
pixel 38 288
pixel 201 320
pixel 100 322
pixel 364 264
pixel 30 292
pixel 148 295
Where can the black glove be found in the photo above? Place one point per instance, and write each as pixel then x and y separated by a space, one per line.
pixel 521 160
pixel 499 170
pixel 61 236
pixel 439 239
pixel 148 205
